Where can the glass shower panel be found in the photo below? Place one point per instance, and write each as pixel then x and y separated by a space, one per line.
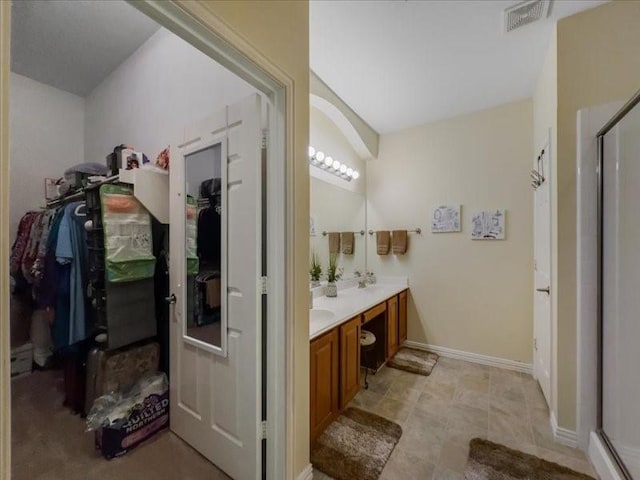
pixel 621 290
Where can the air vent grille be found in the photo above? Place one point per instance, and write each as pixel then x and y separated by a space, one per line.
pixel 525 13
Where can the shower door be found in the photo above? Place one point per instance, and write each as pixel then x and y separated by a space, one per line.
pixel 619 212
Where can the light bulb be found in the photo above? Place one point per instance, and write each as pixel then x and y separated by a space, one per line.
pixel 319 156
pixel 312 151
pixel 349 172
pixel 343 169
pixel 328 161
pixel 355 175
pixel 336 165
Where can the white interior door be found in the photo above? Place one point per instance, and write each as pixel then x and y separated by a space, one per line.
pixel 216 383
pixel 542 282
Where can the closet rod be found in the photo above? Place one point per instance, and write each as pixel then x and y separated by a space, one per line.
pixel 361 232
pixel 417 230
pixel 81 193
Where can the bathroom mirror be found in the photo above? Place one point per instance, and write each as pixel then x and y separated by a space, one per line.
pixel 337 202
pixel 335 209
pixel 206 227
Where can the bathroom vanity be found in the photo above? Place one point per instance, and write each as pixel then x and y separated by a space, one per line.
pixel 335 326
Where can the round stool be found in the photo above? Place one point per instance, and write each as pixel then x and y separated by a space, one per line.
pixel 367 343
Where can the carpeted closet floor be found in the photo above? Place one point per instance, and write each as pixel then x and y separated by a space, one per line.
pixel 49 442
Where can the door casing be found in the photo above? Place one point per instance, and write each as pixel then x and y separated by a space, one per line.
pixel 224 45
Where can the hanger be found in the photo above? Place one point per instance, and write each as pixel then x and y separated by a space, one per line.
pixel 77 211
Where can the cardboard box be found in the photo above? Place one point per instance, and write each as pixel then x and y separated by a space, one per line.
pixel 143 423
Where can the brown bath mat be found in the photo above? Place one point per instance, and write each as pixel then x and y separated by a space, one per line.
pixel 414 361
pixel 491 461
pixel 356 445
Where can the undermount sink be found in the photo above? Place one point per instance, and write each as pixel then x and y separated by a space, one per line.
pixel 320 315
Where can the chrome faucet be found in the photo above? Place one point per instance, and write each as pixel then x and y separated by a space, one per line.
pixel 362 280
pixel 371 278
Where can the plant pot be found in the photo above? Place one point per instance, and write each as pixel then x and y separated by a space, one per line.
pixel 315 283
pixel 331 290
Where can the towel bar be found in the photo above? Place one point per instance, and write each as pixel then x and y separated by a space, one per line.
pixel 361 232
pixel 415 230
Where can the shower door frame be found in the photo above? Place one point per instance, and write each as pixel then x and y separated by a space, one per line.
pixel 635 100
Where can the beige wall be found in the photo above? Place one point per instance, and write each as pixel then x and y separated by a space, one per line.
pixel 598 62
pixel 280 31
pixel 474 296
pixel 545 122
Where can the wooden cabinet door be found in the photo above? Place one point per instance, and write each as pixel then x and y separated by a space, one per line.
pixel 349 361
pixel 324 382
pixel 402 317
pixel 392 326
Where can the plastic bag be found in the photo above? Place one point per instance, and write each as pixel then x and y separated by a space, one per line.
pixel 113 409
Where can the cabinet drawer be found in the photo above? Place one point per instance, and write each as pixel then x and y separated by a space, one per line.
pixel 374 312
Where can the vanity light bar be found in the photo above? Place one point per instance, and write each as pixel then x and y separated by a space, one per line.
pixel 327 163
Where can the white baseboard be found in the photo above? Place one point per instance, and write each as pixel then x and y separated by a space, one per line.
pixel 563 435
pixel 601 460
pixel 306 474
pixel 473 357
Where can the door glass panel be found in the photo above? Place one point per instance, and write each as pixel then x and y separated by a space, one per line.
pixel 620 299
pixel 205 184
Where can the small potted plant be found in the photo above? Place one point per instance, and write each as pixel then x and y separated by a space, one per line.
pixel 315 271
pixel 333 275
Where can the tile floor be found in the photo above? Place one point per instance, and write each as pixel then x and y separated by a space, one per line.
pixel 439 414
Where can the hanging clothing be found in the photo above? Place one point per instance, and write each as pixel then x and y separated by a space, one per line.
pixel 209 239
pixel 31 250
pixel 71 250
pixel 47 287
pixel 62 306
pixel 37 270
pixel 20 244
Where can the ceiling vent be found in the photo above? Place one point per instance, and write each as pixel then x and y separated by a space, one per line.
pixel 525 13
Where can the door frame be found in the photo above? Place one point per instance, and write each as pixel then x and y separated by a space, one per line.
pixel 547 148
pixel 589 122
pixel 201 28
pixel 602 436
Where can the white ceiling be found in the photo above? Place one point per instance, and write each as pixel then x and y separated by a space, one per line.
pixel 74 44
pixel 405 63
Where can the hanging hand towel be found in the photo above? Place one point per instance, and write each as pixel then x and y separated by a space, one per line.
pixel 382 240
pixel 399 242
pixel 348 242
pixel 334 242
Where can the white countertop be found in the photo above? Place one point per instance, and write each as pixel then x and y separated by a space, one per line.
pixel 351 301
